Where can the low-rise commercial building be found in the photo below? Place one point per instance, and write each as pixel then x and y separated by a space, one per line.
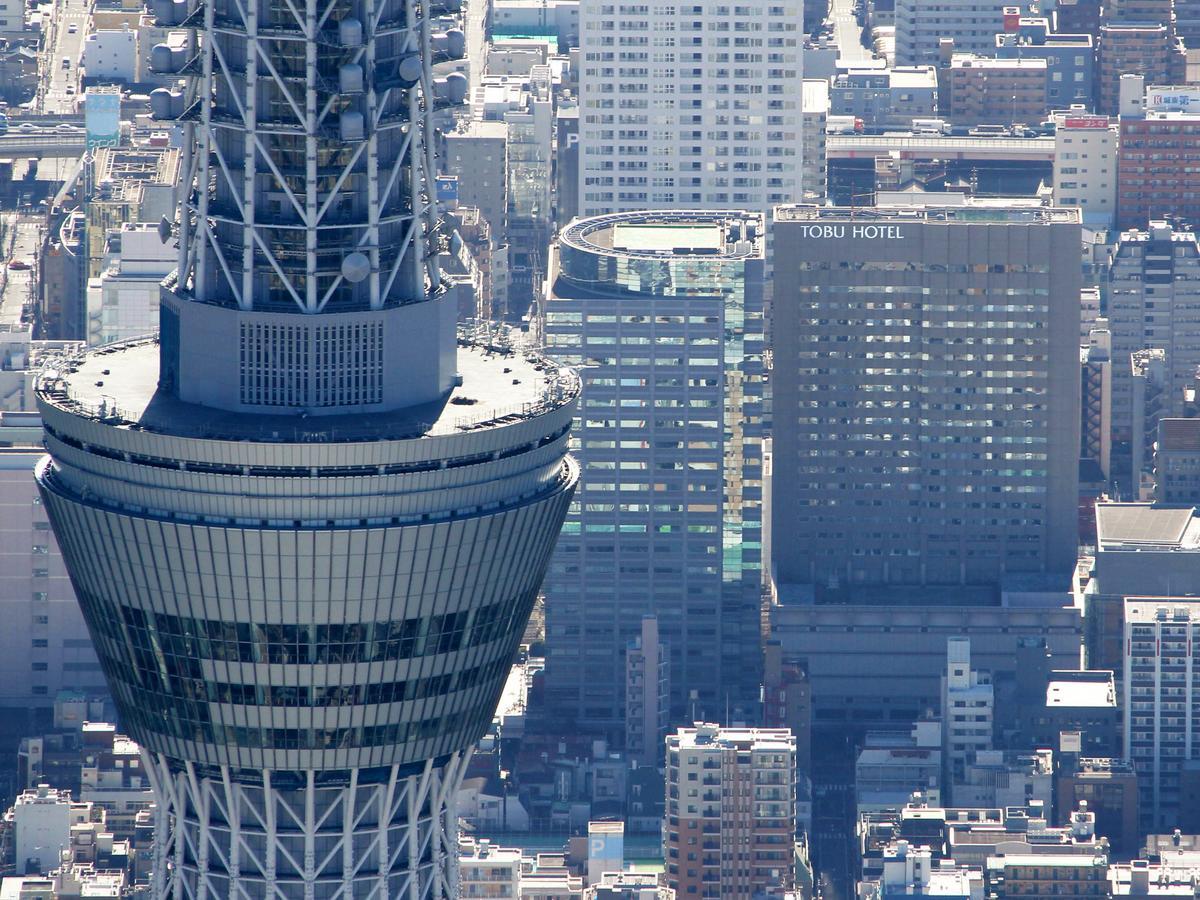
pixel 852 682
pixel 991 91
pixel 909 871
pixel 1070 60
pixel 1049 876
pixel 891 768
pixel 485 870
pixel 1083 702
pixel 1177 461
pixel 628 886
pixel 1003 779
pixel 1085 167
pixel 887 99
pixel 111 54
pixel 123 298
pixel 1109 788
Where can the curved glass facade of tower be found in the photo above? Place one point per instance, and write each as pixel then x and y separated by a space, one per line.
pixel 307 524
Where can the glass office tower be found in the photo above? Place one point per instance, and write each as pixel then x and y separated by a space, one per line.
pixel 663 312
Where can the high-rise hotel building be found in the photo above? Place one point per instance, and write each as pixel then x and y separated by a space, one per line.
pixel 663 313
pixel 926 392
pixel 307 523
pixel 689 104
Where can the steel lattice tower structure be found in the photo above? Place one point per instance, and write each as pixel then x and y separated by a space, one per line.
pixel 308 521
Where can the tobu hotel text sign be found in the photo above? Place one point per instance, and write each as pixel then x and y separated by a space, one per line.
pixel 842 231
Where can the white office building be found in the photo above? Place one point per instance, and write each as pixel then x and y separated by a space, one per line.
pixel 44 643
pixel 814 158
pixel 111 54
pixel 41 825
pixel 968 704
pixel 486 870
pixel 1085 167
pixel 122 301
pixel 689 106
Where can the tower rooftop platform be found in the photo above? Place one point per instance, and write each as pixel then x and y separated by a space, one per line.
pixel 500 384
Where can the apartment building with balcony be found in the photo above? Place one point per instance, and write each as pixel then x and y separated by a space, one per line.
pixel 1161 677
pixel 731 811
pixel 689 105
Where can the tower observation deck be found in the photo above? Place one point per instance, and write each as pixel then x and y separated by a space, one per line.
pixel 308 521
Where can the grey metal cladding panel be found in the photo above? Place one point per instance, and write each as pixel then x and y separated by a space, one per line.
pixel 359 453
pixel 337 498
pixel 374 575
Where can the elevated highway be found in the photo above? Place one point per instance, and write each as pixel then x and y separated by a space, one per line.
pixel 940 146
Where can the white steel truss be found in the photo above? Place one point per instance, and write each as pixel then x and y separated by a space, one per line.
pixel 386 834
pixel 309 156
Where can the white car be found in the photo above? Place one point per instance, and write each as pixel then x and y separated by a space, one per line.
pixel 72 28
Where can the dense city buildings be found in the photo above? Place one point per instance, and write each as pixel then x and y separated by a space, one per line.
pixel 923 436
pixel 689 106
pixel 847 395
pixel 477 155
pixel 1142 549
pixel 1153 289
pixel 908 870
pixel 879 657
pixel 122 301
pixel 663 313
pixel 1081 702
pixel 731 811
pixel 1108 786
pixel 308 522
pixel 891 767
